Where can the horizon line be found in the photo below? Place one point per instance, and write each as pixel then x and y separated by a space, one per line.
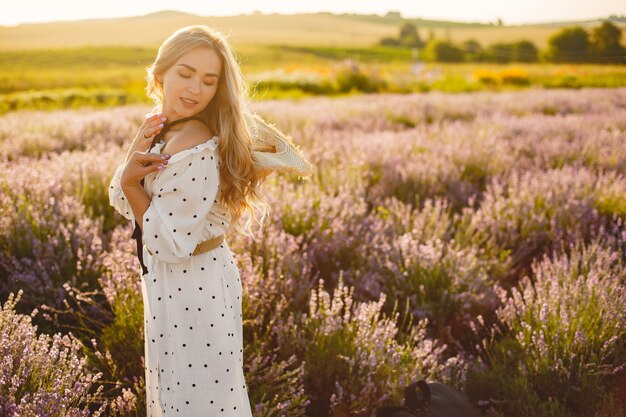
pixel 258 12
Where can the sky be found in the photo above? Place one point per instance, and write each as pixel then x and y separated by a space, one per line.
pixel 484 11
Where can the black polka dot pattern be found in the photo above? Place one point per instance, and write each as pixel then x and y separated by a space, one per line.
pixel 194 337
pixel 193 331
pixel 174 222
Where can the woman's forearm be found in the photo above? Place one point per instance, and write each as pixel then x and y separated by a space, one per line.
pixel 129 153
pixel 138 200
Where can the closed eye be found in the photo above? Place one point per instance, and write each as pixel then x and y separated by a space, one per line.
pixel 207 84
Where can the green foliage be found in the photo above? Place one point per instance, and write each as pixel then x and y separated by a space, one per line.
pixel 520 51
pixel 306 87
pixel 445 51
pixel 559 337
pixel 500 52
pixel 109 324
pixel 295 224
pixel 409 36
pixel 401 119
pixel 514 77
pixel 77 58
pixel 390 42
pixel 525 51
pixel 563 81
pixel 611 201
pixel 569 45
pixel 605 44
pixel 124 336
pixel 277 384
pixel 455 83
pixel 339 53
pixel 353 357
pixel 349 80
pixel 92 190
pixel 473 50
pixel 69 98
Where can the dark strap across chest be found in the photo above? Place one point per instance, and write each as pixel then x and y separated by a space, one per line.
pixel 137 233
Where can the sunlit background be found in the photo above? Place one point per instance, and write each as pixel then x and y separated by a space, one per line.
pixel 483 11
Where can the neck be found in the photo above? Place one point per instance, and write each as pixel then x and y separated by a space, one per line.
pixel 174 121
pixel 170 114
pixel 169 125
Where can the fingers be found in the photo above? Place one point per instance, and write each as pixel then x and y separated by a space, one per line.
pixel 153 125
pixel 154 117
pixel 151 131
pixel 145 170
pixel 142 163
pixel 157 167
pixel 150 158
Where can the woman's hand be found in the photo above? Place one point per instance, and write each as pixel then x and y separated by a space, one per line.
pixel 141 164
pixel 151 126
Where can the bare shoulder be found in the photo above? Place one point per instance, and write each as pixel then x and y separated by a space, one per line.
pixel 193 133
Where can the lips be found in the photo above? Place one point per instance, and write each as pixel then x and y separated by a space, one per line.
pixel 188 101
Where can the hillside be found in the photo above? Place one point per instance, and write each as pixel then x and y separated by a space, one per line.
pixel 319 29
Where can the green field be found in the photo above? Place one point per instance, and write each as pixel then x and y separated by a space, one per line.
pixel 109 76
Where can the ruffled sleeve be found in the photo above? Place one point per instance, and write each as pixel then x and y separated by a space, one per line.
pixel 182 197
pixel 117 199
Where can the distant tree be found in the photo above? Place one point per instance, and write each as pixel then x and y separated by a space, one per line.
pixel 473 50
pixel 393 14
pixel 409 36
pixel 525 51
pixel 445 51
pixel 500 23
pixel 569 45
pixel 605 44
pixel 500 52
pixel 615 17
pixel 408 30
pixel 431 35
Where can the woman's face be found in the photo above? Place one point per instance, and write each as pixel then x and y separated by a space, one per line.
pixel 190 84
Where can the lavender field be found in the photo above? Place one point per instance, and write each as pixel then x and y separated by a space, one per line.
pixel 475 239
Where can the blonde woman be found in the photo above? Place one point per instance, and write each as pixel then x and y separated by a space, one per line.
pixel 192 170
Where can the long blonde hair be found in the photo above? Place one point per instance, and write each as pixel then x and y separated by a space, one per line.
pixel 227 115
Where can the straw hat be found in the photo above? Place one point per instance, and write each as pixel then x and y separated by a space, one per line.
pixel 273 150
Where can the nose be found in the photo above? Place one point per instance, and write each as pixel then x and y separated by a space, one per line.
pixel 194 87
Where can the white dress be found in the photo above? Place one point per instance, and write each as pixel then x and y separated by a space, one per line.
pixel 192 304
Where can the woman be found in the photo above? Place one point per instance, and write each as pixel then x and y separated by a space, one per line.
pixel 192 170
